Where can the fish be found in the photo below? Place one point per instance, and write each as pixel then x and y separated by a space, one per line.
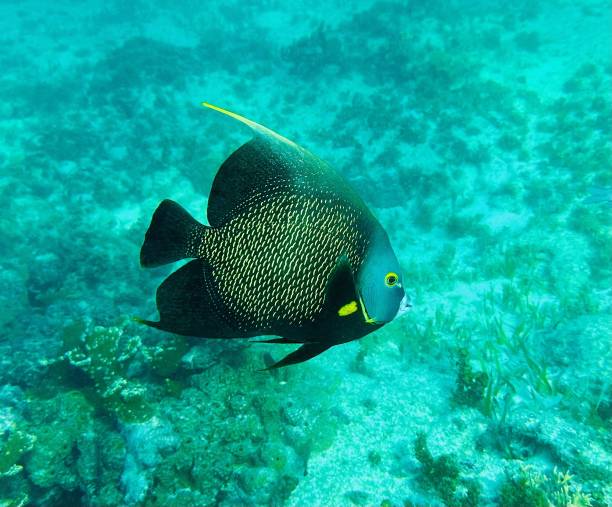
pixel 290 251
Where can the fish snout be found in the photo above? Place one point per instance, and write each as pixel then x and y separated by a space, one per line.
pixel 404 305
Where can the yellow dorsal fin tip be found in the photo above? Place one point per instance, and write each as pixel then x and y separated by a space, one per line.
pixel 255 126
pixel 228 113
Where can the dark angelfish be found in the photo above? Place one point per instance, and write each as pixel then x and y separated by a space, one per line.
pixel 291 251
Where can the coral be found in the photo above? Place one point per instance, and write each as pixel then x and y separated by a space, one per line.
pixel 103 353
pixel 233 439
pixel 528 41
pixel 357 497
pixel 165 357
pixel 16 441
pixel 509 142
pixel 74 455
pixel 459 225
pixel 309 429
pixel 147 443
pixel 306 55
pixel 13 296
pixel 15 444
pixel 16 502
pixel 374 458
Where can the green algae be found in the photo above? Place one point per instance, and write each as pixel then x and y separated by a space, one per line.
pixel 520 493
pixel 442 474
pixel 470 385
pixel 531 488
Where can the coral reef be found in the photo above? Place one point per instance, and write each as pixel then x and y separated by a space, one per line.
pixel 102 354
pixel 480 135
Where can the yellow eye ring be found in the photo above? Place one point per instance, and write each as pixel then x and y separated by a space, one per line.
pixel 391 279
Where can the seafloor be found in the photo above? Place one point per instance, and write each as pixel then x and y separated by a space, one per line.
pixel 480 134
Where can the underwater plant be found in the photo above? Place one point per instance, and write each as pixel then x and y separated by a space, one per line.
pixel 442 474
pixel 470 385
pixel 531 488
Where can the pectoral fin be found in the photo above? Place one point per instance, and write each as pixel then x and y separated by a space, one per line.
pixel 343 317
pixel 304 353
pixel 341 297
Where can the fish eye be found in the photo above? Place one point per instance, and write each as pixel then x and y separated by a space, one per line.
pixel 391 279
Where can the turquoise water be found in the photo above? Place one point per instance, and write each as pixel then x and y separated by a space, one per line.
pixel 479 134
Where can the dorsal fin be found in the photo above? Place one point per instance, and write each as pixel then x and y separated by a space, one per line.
pixel 259 129
pixel 267 165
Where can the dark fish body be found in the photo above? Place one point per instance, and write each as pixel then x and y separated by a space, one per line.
pixel 283 254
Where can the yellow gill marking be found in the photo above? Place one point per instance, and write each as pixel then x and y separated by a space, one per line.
pixel 348 309
pixel 255 126
pixel 366 317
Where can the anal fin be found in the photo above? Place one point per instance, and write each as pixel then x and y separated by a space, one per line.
pixel 278 340
pixel 186 307
pixel 304 353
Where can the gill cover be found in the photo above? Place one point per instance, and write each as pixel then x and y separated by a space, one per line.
pixel 380 281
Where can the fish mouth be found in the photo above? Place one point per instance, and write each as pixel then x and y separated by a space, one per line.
pixel 404 306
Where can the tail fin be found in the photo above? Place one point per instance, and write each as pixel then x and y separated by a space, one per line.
pixel 172 235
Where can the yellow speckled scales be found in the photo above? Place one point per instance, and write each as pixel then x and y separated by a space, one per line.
pixel 282 217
